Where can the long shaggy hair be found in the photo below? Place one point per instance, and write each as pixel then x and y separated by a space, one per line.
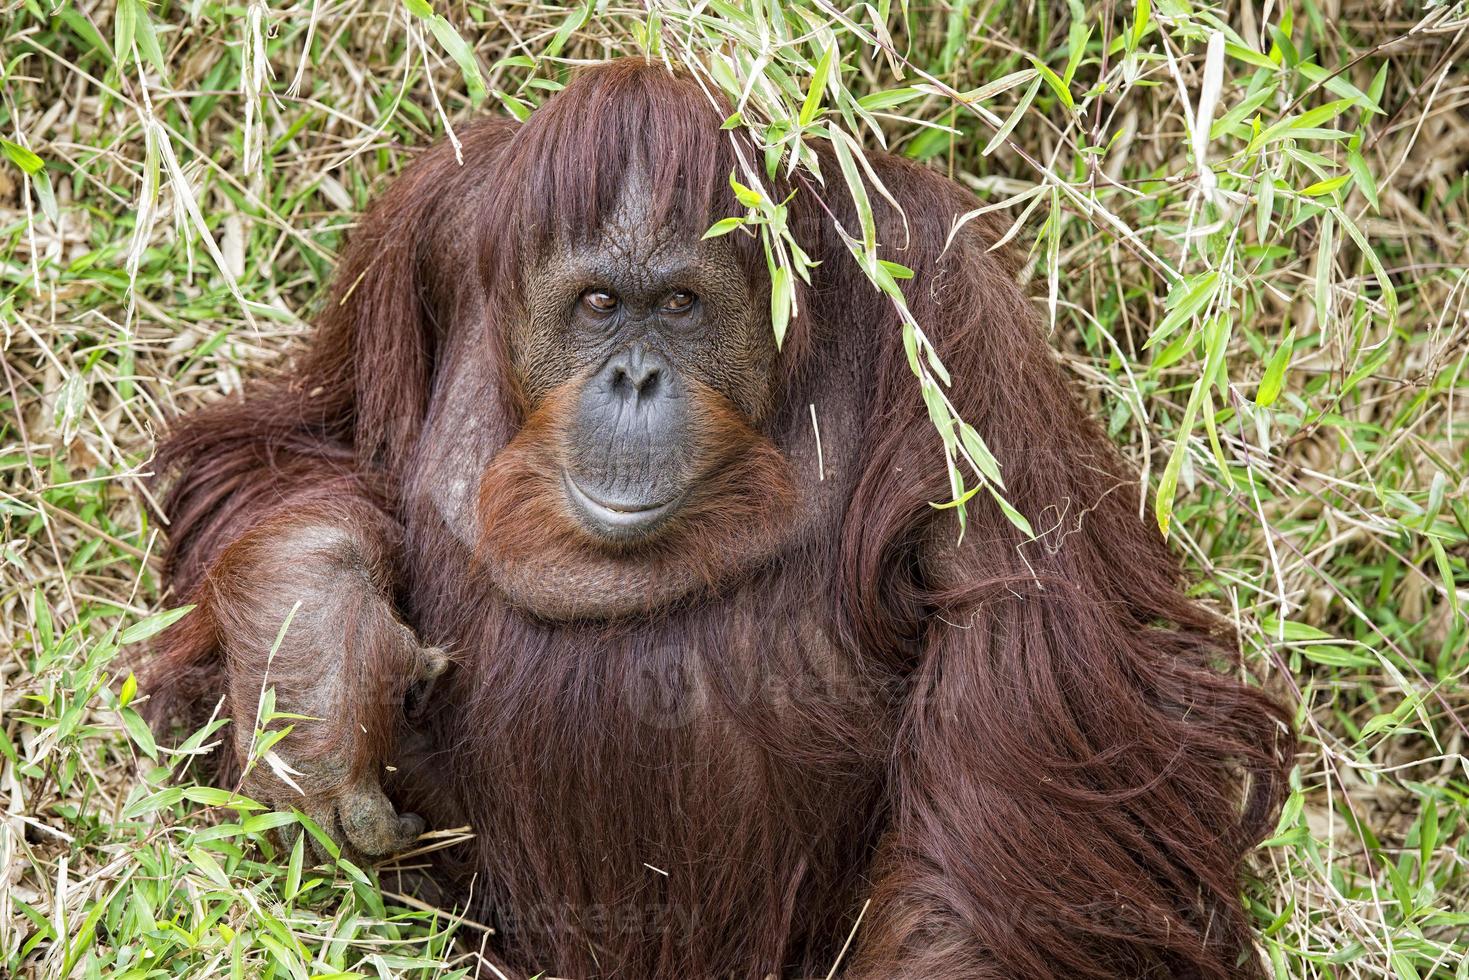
pixel 1034 756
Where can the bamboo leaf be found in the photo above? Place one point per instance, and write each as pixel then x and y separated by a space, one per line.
pixel 1248 55
pixel 815 93
pixel 782 294
pixel 1055 83
pixel 22 157
pixel 1325 248
pixel 1168 485
pixel 889 98
pixel 723 227
pixel 139 732
pixel 154 624
pixel 1338 85
pixel 1185 300
pixel 1011 121
pixel 573 23
pixel 129 689
pixel 1363 179
pixel 1300 125
pixel 746 196
pixel 856 189
pixel 1323 187
pixel 1274 379
pixel 1374 261
pixel 463 55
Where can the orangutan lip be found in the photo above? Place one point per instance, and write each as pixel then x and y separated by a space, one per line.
pixel 614 514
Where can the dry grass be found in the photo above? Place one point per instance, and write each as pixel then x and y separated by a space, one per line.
pixel 197 180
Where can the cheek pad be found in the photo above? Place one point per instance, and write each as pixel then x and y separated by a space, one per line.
pixel 735 355
pixel 546 352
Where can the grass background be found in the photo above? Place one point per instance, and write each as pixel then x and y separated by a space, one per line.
pixel 1249 236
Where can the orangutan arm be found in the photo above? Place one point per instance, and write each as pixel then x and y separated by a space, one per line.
pixel 315 572
pixel 287 495
pixel 1070 795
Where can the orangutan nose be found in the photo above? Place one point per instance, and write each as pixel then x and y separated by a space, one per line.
pixel 626 464
pixel 635 374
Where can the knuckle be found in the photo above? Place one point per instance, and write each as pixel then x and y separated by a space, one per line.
pixel 368 821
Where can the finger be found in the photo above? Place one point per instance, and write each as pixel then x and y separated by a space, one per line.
pixel 322 813
pixel 265 787
pixel 433 661
pixel 372 826
pixel 287 835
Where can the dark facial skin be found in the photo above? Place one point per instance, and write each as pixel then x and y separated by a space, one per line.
pixel 644 327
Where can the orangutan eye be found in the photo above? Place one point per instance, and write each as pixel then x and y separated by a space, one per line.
pixel 599 301
pixel 680 302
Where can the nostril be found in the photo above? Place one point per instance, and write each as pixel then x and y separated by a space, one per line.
pixel 635 375
pixel 621 383
pixel 635 383
pixel 648 386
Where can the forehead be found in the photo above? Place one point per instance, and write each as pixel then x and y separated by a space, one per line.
pixel 634 254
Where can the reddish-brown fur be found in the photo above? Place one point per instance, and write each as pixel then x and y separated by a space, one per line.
pixel 1032 756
